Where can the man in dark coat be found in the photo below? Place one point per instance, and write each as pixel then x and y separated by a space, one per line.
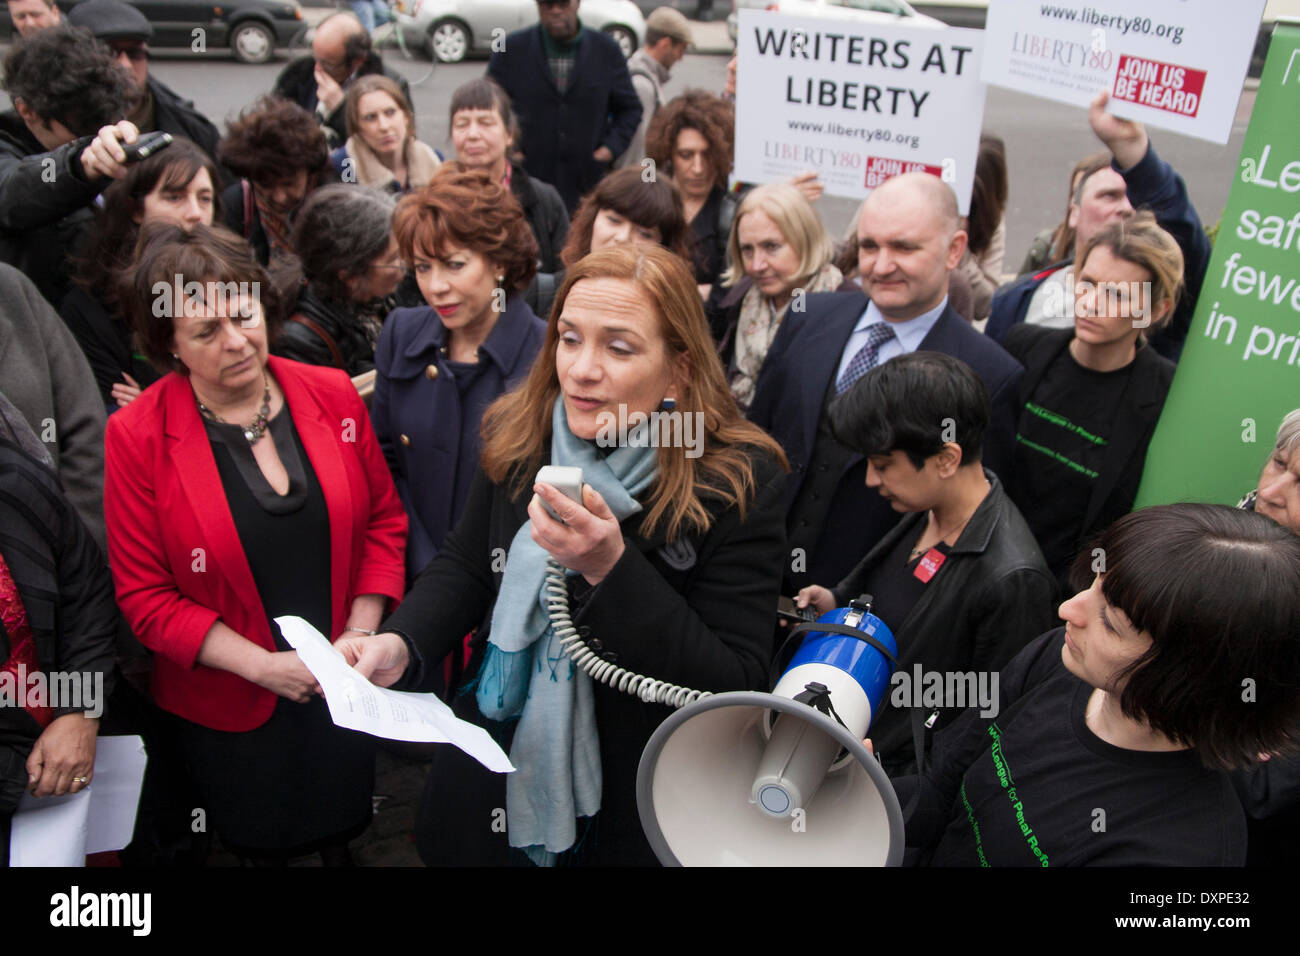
pixel 340 52
pixel 156 106
pixel 908 240
pixel 65 88
pixel 574 98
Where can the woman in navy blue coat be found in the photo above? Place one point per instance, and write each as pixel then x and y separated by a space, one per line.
pixel 439 366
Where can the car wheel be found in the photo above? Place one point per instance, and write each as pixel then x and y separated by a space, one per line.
pixel 624 37
pixel 448 41
pixel 252 42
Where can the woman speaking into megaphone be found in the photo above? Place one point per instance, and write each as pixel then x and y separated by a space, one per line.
pixel 1178 662
pixel 675 537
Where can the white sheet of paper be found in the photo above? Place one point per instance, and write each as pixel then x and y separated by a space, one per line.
pixel 1176 64
pixel 60 831
pixel 357 704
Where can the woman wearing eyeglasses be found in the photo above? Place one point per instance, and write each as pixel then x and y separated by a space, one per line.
pixel 351 268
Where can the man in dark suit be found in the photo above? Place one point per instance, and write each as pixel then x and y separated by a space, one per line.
pixel 574 98
pixel 909 237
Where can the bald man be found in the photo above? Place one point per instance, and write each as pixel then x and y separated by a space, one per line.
pixel 909 237
pixel 340 52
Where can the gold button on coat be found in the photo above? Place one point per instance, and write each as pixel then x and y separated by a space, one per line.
pixel 431 372
pixel 406 440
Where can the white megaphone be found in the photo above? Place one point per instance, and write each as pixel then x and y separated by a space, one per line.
pixel 781 779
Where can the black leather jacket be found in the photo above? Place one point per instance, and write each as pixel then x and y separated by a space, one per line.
pixel 990 597
pixel 343 325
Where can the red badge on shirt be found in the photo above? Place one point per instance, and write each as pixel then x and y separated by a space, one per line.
pixel 929 565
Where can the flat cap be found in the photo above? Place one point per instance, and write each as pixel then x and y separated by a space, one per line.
pixel 111 20
pixel 667 21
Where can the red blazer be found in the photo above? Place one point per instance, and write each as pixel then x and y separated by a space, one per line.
pixel 176 558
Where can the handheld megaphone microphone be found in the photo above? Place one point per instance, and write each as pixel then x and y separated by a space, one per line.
pixel 781 779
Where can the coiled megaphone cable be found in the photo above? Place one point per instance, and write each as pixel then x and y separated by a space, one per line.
pixel 650 691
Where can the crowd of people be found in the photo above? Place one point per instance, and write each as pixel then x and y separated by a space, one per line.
pixel 312 366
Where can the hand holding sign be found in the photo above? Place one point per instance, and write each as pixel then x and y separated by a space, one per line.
pixel 1126 139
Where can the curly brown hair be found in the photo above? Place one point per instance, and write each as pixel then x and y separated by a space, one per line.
pixel 271 140
pixel 710 116
pixel 651 205
pixel 464 207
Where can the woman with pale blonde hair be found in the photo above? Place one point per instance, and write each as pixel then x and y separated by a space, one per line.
pixel 382 150
pixel 778 249
pixel 674 557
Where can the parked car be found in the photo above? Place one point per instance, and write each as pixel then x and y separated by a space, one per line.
pixel 251 29
pixel 860 11
pixel 453 29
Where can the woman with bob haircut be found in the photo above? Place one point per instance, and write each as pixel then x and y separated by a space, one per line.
pixel 351 268
pixel 1134 707
pixel 441 364
pixel 625 208
pixel 1098 380
pixel 233 497
pixel 178 185
pixel 674 554
pixel 280 154
pixel 382 150
pixel 777 245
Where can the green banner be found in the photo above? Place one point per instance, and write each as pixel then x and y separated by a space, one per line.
pixel 1240 372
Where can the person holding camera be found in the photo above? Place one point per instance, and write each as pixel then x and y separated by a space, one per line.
pixel 60 145
pixel 674 554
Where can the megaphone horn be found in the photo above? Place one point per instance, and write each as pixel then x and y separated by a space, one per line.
pixel 723 783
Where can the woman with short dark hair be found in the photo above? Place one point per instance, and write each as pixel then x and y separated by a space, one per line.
pixel 241 488
pixel 281 155
pixel 1177 662
pixel 351 267
pixel 625 208
pixel 438 366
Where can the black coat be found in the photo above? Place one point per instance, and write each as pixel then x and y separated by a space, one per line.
pixel 560 131
pixel 347 347
pixel 106 342
pixel 1116 487
pixel 297 82
pixel 549 221
pixel 792 386
pixel 991 596
pixel 45 205
pixel 699 614
pixel 176 115
pixel 64 585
